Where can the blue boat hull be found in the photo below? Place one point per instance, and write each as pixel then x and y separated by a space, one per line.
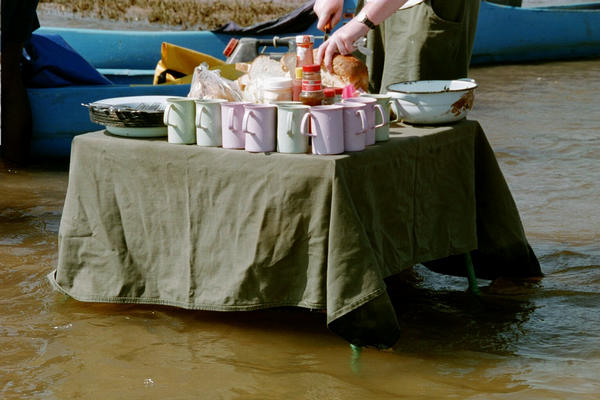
pixel 512 34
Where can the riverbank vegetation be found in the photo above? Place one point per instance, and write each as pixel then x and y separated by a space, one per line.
pixel 185 14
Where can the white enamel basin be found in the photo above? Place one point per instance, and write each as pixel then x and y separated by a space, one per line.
pixel 432 102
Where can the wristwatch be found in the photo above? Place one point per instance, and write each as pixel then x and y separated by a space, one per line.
pixel 363 18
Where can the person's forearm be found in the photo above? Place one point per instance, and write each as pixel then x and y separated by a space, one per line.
pixel 379 10
pixel 342 41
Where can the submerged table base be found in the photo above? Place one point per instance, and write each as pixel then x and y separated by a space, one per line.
pixel 213 229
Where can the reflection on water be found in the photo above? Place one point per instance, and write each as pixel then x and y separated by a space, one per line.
pixel 533 339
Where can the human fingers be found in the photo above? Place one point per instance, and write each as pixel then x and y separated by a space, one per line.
pixel 324 23
pixel 337 17
pixel 343 41
pixel 347 35
pixel 331 51
pixel 321 52
pixel 345 44
pixel 328 12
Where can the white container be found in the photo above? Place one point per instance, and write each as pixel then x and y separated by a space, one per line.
pixel 208 122
pixel 179 118
pixel 432 102
pixel 289 133
pixel 276 89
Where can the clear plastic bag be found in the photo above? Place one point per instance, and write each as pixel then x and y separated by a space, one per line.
pixel 209 84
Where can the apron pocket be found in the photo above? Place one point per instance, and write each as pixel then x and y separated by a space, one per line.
pixel 446 12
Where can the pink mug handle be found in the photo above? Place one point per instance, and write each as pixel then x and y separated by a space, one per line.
pixel 303 124
pixel 247 114
pixel 363 121
pixel 230 118
pixel 383 116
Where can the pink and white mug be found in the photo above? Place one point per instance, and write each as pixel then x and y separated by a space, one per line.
pixel 232 114
pixel 370 113
pixel 327 128
pixel 260 126
pixel 355 126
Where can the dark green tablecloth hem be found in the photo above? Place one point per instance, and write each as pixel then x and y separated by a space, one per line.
pixel 187 306
pixel 212 307
pixel 353 305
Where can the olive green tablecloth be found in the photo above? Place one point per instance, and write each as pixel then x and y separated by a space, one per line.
pixel 213 229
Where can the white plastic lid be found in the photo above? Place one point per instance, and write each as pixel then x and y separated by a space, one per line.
pixel 305 39
pixel 277 83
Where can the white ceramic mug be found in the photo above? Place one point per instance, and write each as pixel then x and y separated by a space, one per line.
pixel 370 111
pixel 208 122
pixel 289 135
pixel 179 119
pixel 382 130
pixel 259 125
pixel 327 126
pixel 232 114
pixel 355 126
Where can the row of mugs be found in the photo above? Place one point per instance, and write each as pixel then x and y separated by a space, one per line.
pixel 283 126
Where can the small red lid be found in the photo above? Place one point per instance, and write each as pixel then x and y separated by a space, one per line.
pixel 233 42
pixel 311 68
pixel 329 92
pixel 338 90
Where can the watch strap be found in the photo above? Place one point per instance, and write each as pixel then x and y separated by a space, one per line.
pixel 362 17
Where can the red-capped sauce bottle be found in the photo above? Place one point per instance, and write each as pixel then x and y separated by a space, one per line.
pixel 312 91
pixel 304 50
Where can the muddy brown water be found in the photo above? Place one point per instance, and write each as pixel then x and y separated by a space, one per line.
pixel 532 340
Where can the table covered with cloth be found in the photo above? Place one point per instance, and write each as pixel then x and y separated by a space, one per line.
pixel 150 222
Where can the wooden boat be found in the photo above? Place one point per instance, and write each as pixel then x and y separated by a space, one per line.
pixel 504 34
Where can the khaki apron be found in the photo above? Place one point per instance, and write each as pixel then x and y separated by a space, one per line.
pixel 432 40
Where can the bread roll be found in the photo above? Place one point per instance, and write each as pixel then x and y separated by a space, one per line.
pixel 346 70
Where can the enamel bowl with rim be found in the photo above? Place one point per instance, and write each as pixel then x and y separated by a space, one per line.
pixel 434 101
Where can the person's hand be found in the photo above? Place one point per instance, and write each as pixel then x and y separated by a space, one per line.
pixel 329 13
pixel 341 42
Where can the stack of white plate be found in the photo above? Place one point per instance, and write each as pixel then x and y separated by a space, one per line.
pixel 135 116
